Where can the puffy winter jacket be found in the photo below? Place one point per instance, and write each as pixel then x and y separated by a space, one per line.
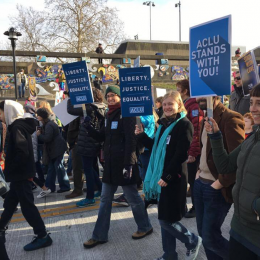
pixel 245 225
pixel 87 145
pixel 195 115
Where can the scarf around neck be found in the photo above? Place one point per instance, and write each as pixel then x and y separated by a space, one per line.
pixel 112 108
pixel 155 168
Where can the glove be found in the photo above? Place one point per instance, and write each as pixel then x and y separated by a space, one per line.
pixel 127 172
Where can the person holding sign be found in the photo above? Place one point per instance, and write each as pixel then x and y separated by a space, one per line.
pixel 165 180
pixel 120 169
pixel 245 226
pixel 213 191
pixel 88 147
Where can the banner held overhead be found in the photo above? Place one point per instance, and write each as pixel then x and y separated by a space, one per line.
pixel 210 58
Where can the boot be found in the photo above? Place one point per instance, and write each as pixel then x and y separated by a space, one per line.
pixel 3 252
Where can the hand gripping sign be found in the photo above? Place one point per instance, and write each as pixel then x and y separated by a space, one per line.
pixel 210 58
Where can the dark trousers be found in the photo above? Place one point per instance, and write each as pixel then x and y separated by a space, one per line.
pixel 92 178
pixel 77 170
pixel 211 211
pixel 237 251
pixel 144 158
pixel 21 192
pixel 100 61
pixel 39 171
pixel 192 170
pixel 171 232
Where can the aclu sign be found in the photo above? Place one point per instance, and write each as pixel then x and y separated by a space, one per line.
pixel 81 98
pixel 136 110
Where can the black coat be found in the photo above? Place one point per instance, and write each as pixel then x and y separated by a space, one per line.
pixel 173 197
pixel 119 148
pixel 87 145
pixel 19 161
pixel 51 137
pixel 73 132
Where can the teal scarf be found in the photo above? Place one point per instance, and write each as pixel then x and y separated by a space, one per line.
pixel 152 189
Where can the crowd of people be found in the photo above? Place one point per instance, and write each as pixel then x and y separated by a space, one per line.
pixel 160 154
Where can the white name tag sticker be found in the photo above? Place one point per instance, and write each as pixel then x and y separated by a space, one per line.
pixel 168 139
pixel 114 125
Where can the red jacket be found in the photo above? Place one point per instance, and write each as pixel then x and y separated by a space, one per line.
pixel 195 115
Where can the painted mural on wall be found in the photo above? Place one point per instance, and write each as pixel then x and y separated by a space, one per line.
pixel 47 82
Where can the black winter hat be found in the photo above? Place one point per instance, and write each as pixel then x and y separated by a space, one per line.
pixel 43 113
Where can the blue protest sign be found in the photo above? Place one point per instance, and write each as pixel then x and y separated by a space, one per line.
pixel 248 71
pixel 78 82
pixel 135 90
pixel 137 62
pixel 210 58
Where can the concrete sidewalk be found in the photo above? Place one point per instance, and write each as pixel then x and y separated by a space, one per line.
pixel 69 231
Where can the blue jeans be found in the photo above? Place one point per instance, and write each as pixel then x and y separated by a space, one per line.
pixel 100 232
pixel 56 167
pixel 211 210
pixel 92 177
pixel 144 158
pixel 171 231
pixel 21 89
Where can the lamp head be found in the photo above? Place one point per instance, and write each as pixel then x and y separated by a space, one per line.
pixel 12 34
pixel 176 5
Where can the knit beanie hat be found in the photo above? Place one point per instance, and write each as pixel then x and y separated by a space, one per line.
pixel 114 89
pixel 30 109
pixel 43 113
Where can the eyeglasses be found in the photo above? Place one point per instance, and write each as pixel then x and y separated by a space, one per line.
pixel 111 96
pixel 237 78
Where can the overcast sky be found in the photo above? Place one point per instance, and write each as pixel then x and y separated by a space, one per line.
pixel 165 18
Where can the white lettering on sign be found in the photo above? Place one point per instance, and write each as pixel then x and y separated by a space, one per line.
pixel 76 71
pixel 135 110
pixel 208 54
pixel 81 98
pixel 141 88
pixel 131 99
pixel 79 89
pixel 134 78
pixel 79 80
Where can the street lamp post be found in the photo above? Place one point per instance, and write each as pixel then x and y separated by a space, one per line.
pixel 179 5
pixel 13 37
pixel 150 3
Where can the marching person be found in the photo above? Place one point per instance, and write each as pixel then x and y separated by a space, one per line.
pixel 120 169
pixel 55 147
pixel 212 191
pixel 244 160
pixel 165 180
pixel 88 147
pixel 20 170
pixel 195 115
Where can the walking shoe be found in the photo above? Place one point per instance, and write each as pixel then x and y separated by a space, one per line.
pixel 191 213
pixel 61 191
pixel 43 193
pixel 97 195
pixel 139 235
pixel 38 243
pixel 92 243
pixel 85 203
pixel 121 200
pixel 74 195
pixel 192 254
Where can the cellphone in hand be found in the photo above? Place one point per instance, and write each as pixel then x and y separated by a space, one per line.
pixel 38 128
